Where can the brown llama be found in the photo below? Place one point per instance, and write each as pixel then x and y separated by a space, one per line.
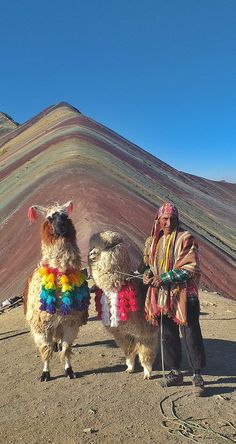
pixel 120 302
pixel 56 296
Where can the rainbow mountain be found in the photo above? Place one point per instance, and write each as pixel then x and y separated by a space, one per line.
pixel 62 155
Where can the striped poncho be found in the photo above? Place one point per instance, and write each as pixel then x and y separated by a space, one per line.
pixel 175 259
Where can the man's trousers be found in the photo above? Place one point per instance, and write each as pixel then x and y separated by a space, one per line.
pixel 192 339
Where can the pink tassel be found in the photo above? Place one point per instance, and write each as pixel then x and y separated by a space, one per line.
pixel 123 316
pixel 32 214
pixel 70 208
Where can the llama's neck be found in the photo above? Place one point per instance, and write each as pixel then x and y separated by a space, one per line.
pixel 108 281
pixel 62 255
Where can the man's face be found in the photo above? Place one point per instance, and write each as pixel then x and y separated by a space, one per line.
pixel 168 223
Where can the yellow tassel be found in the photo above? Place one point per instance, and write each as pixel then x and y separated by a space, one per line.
pixel 66 287
pixel 43 271
pixel 81 280
pixel 44 280
pixel 51 277
pixel 50 286
pixel 64 279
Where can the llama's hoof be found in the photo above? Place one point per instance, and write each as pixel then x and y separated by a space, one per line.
pixel 45 376
pixel 69 373
pixel 146 376
pixel 130 370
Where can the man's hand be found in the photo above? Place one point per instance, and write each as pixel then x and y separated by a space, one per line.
pixel 155 281
pixel 147 279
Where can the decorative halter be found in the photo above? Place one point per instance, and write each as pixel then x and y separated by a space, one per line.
pixel 63 291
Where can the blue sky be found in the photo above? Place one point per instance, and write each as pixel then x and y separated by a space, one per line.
pixel 161 73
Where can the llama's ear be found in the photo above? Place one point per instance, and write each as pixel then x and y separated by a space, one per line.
pixel 34 210
pixel 68 207
pixel 32 214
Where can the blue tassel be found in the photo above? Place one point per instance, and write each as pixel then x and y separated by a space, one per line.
pixel 66 300
pixel 64 309
pixel 51 309
pixel 51 300
pixel 43 306
pixel 81 292
pixel 43 295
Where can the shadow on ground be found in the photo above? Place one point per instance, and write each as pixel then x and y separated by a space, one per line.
pixel 110 343
pixel 13 335
pixel 220 358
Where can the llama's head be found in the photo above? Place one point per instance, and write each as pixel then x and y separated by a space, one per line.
pixel 109 260
pixel 57 224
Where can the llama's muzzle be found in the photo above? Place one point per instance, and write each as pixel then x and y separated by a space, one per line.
pixel 61 224
pixel 93 254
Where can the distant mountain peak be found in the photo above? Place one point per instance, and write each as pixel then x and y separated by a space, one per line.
pixel 6 117
pixel 68 105
pixel 7 123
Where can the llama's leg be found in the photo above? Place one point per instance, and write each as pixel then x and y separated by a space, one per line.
pixel 57 347
pixel 66 353
pixel 130 362
pixel 69 334
pixel 45 347
pixel 147 353
pixel 128 345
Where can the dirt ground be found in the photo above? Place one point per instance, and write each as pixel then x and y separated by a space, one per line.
pixel 107 405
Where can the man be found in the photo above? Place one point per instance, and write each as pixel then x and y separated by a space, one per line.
pixel 171 255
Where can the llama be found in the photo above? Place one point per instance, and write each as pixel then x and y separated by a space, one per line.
pixel 56 296
pixel 119 302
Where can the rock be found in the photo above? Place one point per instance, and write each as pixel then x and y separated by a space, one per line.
pixel 89 430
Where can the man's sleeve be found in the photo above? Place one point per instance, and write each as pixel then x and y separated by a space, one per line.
pixel 173 276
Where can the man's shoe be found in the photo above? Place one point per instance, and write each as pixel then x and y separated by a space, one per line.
pixel 198 385
pixel 172 379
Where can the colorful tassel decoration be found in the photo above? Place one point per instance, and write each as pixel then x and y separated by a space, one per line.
pixel 70 208
pixel 114 318
pixel 63 292
pixel 113 307
pixel 32 214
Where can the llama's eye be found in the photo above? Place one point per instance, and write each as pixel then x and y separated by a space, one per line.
pixel 94 252
pixel 49 218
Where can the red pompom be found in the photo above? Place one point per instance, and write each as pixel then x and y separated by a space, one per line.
pixel 32 214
